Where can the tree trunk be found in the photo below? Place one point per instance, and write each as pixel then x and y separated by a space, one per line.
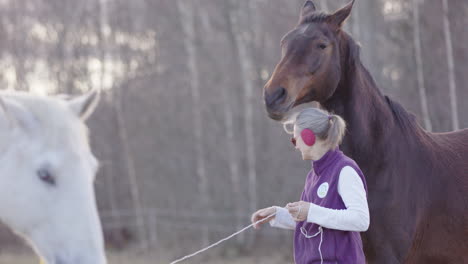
pixel 188 15
pixel 451 67
pixel 127 156
pixel 130 168
pixel 230 16
pixel 248 71
pixel 419 67
pixel 325 6
pixel 108 177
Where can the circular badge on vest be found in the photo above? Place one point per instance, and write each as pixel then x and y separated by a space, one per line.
pixel 322 190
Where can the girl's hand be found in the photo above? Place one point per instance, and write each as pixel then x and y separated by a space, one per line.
pixel 263 214
pixel 298 210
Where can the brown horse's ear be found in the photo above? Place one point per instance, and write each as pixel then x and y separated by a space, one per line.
pixel 340 16
pixel 307 8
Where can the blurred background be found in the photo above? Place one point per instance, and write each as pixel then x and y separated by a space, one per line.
pixel 187 151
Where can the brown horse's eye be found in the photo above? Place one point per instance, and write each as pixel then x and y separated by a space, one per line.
pixel 322 46
pixel 46 176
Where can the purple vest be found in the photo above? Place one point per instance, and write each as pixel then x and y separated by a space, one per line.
pixel 337 246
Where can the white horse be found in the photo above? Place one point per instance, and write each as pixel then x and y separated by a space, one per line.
pixel 46 176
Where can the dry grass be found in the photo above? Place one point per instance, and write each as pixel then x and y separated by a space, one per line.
pixel 133 258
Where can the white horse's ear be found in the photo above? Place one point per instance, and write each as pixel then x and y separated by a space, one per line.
pixel 84 105
pixel 13 115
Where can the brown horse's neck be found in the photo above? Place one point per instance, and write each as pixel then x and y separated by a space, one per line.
pixel 373 119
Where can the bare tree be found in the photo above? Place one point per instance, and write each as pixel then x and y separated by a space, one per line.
pixel 419 66
pixel 243 37
pixel 18 47
pixel 451 67
pixel 355 27
pixel 109 177
pixel 130 167
pixel 187 15
pixel 122 131
pixel 234 170
pixel 325 6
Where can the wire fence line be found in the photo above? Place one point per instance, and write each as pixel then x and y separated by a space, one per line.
pixel 164 212
pixel 164 226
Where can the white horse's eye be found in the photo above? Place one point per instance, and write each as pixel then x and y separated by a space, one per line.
pixel 46 176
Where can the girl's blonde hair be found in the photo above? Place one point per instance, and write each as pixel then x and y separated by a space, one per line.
pixel 326 126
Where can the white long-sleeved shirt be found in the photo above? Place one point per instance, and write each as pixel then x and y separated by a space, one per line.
pixel 354 218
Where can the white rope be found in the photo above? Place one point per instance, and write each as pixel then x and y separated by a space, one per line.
pixel 320 231
pixel 222 240
pixel 299 212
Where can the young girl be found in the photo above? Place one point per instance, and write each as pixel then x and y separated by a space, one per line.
pixel 333 207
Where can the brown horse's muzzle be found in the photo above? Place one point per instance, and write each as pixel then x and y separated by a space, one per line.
pixel 276 102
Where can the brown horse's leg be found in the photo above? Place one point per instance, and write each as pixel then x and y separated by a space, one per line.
pixel 387 241
pixel 378 248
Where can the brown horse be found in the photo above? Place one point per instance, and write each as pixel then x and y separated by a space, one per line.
pixel 417 181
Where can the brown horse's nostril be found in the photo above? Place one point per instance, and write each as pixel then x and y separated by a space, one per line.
pixel 275 98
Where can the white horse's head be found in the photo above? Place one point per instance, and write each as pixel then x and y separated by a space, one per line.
pixel 46 176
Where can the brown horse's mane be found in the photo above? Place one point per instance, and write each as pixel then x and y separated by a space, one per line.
pixel 434 148
pixel 314 17
pixel 406 122
pixel 352 64
pixel 405 119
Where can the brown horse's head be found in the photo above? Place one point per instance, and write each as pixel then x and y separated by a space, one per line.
pixel 310 65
